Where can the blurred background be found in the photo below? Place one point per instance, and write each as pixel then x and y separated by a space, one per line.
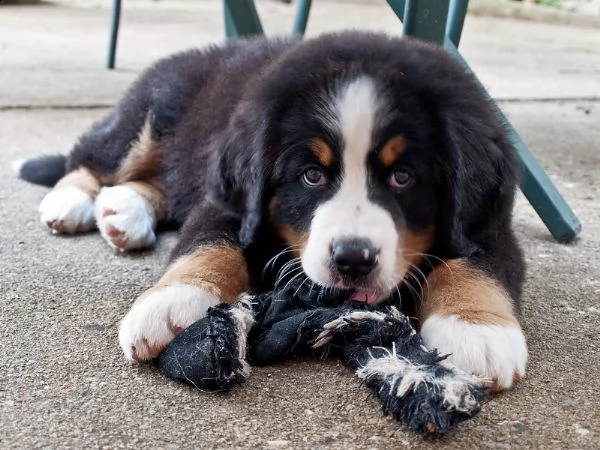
pixel 514 46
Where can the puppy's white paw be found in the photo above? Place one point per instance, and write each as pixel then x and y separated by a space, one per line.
pixel 67 210
pixel 497 352
pixel 125 219
pixel 158 316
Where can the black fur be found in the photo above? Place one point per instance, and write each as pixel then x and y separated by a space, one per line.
pixel 44 170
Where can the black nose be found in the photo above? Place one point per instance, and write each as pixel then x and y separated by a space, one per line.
pixel 354 257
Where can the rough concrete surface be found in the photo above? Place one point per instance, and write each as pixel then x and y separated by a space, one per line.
pixel 63 381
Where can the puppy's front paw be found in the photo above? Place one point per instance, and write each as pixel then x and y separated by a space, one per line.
pixel 126 219
pixel 497 352
pixel 160 314
pixel 67 210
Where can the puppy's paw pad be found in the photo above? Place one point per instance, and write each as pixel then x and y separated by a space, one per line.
pixel 158 316
pixel 67 210
pixel 496 352
pixel 147 349
pixel 108 212
pixel 126 220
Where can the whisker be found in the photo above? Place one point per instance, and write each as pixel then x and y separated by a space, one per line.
pixel 397 288
pixel 301 284
pixel 285 267
pixel 271 262
pixel 418 280
pixel 292 271
pixel 292 279
pixel 430 256
pixel 420 272
pixel 322 291
pixel 416 292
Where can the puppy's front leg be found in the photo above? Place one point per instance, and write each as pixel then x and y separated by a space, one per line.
pixel 211 269
pixel 468 314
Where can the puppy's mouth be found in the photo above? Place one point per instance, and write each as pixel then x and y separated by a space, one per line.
pixel 345 291
pixel 365 289
pixel 368 296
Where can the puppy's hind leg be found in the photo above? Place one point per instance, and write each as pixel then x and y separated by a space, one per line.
pixel 128 211
pixel 69 207
pixel 127 214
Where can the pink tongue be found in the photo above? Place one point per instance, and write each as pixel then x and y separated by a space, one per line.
pixel 364 296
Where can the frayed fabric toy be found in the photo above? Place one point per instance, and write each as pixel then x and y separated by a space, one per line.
pixel 415 385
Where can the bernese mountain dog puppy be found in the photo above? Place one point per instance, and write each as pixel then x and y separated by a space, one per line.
pixel 366 162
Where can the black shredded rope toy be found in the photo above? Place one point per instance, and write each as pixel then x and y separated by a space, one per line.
pixel 415 385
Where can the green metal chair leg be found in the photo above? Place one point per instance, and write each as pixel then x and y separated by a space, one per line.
pixel 411 12
pixel 426 19
pixel 302 11
pixel 114 34
pixel 230 30
pixel 552 208
pixel 398 8
pixel 241 18
pixel 549 204
pixel 456 20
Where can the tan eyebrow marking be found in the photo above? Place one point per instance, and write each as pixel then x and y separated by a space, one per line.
pixel 392 150
pixel 322 151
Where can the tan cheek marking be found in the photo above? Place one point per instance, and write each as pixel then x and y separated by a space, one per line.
pixel 219 269
pixel 322 152
pixel 456 288
pixel 152 191
pixel 142 162
pixel 411 247
pixel 83 179
pixel 294 239
pixel 392 150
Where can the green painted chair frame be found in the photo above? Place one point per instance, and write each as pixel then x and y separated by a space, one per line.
pixel 439 21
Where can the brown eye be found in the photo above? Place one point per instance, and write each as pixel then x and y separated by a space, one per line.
pixel 400 179
pixel 314 177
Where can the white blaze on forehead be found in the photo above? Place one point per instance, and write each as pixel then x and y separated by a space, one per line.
pixel 356 108
pixel 352 115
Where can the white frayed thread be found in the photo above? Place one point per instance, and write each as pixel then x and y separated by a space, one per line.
pixel 242 316
pixel 352 318
pixel 403 376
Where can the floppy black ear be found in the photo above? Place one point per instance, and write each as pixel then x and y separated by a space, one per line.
pixel 482 178
pixel 242 173
pixel 254 199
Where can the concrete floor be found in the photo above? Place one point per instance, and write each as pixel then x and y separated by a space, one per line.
pixel 63 381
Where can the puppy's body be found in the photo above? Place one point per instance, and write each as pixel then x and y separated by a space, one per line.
pixel 370 163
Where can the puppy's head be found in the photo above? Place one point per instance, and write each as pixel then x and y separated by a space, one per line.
pixel 371 161
pixel 353 193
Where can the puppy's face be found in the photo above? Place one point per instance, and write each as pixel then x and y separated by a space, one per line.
pixel 355 183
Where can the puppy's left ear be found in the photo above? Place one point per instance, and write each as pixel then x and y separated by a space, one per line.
pixel 483 177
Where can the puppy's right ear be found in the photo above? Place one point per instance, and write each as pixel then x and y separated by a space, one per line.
pixel 242 173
